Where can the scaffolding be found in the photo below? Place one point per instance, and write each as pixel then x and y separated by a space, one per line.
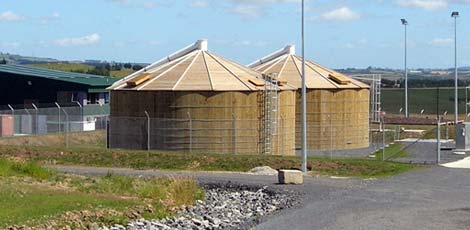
pixel 270 112
pixel 375 82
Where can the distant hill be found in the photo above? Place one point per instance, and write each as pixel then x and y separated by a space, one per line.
pixel 97 67
pixel 24 60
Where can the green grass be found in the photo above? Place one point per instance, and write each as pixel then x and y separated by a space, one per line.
pixel 393 151
pixel 423 98
pixel 169 160
pixel 67 67
pixel 358 167
pixel 22 203
pixel 73 67
pixel 121 73
pixel 10 168
pixel 35 196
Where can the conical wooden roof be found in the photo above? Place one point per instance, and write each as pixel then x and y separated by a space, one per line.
pixel 288 68
pixel 194 69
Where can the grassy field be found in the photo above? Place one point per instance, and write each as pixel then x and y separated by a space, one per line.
pixel 67 67
pixel 393 151
pixel 71 67
pixel 33 196
pixel 430 131
pixel 171 160
pixel 426 98
pixel 121 73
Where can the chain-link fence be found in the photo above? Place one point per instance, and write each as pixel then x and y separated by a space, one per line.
pixel 231 136
pixel 90 127
pixel 50 124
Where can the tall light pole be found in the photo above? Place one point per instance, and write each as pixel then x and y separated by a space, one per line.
pixel 304 94
pixel 455 15
pixel 405 24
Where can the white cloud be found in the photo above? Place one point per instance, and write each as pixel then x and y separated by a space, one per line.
pixel 440 42
pixel 9 16
pixel 341 14
pixel 199 4
pixel 357 44
pixel 247 11
pixel 46 19
pixel 429 5
pixel 423 4
pixel 146 4
pixel 80 41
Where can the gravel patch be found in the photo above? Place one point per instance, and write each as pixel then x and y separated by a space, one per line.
pixel 228 206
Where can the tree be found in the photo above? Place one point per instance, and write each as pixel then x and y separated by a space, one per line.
pixel 99 71
pixel 3 62
pixel 128 65
pixel 107 66
pixel 137 67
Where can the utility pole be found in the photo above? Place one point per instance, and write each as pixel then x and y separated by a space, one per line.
pixel 304 99
pixel 455 15
pixel 405 24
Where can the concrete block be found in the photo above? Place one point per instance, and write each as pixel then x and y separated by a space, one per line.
pixel 290 177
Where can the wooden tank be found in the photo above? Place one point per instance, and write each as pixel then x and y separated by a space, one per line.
pixel 337 106
pixel 201 102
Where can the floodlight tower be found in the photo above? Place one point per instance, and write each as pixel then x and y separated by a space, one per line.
pixel 455 15
pixel 404 22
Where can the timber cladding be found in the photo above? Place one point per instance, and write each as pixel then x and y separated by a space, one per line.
pixel 337 119
pixel 200 121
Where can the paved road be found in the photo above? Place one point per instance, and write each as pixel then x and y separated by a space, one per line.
pixel 432 198
pixel 435 198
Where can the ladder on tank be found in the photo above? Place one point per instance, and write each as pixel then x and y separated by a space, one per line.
pixel 375 81
pixel 270 111
pixel 377 97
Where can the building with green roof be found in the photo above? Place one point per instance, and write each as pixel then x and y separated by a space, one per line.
pixel 25 85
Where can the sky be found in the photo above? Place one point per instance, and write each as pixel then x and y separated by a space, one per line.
pixel 339 33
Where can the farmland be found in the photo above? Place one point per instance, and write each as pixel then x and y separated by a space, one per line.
pixel 82 68
pixel 422 98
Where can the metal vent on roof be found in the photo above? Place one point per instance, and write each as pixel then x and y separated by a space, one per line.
pixel 138 80
pixel 282 82
pixel 339 79
pixel 256 82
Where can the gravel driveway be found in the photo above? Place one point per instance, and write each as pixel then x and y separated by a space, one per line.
pixel 431 198
pixel 434 198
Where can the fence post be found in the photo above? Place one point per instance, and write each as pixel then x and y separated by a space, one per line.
pixel 282 133
pixel 30 121
pixel 447 130
pixel 148 130
pixel 66 129
pixel 383 138
pixel 399 132
pixel 37 119
pixel 106 139
pixel 331 136
pixel 13 115
pixel 438 160
pixel 234 126
pixel 58 118
pixel 190 133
